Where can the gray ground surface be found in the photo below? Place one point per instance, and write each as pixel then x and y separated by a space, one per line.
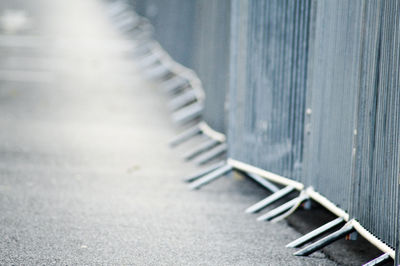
pixel 86 176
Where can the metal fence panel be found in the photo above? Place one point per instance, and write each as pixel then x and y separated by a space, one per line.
pixel 376 175
pixel 313 91
pixel 196 34
pixel 173 25
pixel 211 57
pixel 268 84
pixel 332 98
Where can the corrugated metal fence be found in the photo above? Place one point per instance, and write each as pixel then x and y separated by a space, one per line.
pixel 268 84
pixel 196 34
pixel 313 93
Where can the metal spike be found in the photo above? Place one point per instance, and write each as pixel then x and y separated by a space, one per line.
pixel 204 171
pixel 346 229
pixel 270 199
pixel 211 176
pixel 313 234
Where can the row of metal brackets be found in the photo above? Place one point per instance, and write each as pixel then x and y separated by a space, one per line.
pixel 175 80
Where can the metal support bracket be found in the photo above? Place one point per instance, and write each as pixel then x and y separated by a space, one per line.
pixel 187 113
pixel 185 136
pixel 286 208
pixel 379 260
pixel 148 60
pixel 223 170
pixel 204 171
pixel 211 154
pixel 346 229
pixel 182 100
pixel 173 84
pixel 315 233
pixel 263 182
pixel 210 143
pixel 270 199
pixel 157 72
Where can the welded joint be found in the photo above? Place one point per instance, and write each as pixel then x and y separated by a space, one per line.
pixel 208 131
pixel 285 209
pixel 299 200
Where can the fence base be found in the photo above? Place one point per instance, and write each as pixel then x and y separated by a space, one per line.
pixel 315 233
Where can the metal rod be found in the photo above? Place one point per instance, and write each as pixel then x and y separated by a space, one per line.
pixel 200 149
pixel 263 182
pixel 173 84
pixel 208 131
pixel 300 199
pixel 185 135
pixel 211 177
pixel 346 229
pixel 156 72
pixel 182 100
pixel 379 260
pixel 204 171
pixel 270 199
pixel 211 154
pixel 148 60
pixel 188 113
pixel 269 175
pixel 282 208
pixel 317 232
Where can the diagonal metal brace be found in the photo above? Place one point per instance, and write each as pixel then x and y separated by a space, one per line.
pixel 200 149
pixel 185 136
pixel 379 260
pixel 315 233
pixel 156 72
pixel 270 199
pixel 204 171
pixel 211 154
pixel 289 206
pixel 211 176
pixel 188 113
pixel 182 100
pixel 173 84
pixel 345 230
pixel 263 182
